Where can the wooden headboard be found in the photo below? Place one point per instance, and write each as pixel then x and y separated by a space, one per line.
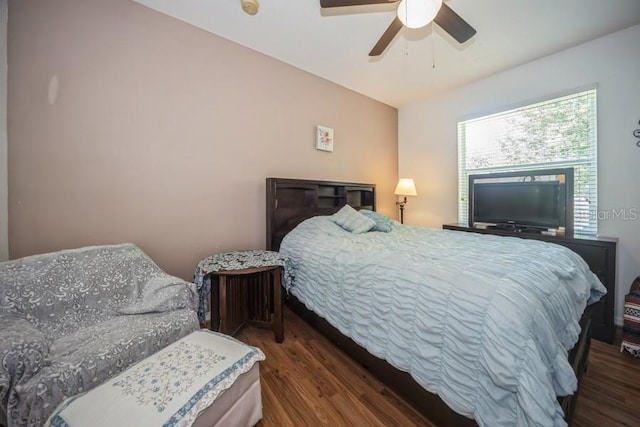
pixel 291 201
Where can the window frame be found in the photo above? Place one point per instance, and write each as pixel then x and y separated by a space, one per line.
pixel 585 202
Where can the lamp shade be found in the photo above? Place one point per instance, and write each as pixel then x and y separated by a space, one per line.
pixel 406 187
pixel 418 13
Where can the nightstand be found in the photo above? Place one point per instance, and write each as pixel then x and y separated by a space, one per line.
pixel 241 288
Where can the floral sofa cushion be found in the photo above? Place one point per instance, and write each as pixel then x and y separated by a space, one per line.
pixel 78 317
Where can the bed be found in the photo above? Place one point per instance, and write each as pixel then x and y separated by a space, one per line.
pixel 471 329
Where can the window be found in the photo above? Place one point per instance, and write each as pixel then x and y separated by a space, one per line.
pixel 552 134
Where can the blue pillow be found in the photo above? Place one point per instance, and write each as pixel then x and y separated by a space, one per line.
pixel 383 223
pixel 351 220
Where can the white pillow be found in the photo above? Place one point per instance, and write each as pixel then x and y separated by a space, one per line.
pixel 352 220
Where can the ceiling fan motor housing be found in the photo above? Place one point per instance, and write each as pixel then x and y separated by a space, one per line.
pixel 418 13
pixel 250 6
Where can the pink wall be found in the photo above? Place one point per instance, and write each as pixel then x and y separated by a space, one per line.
pixel 127 125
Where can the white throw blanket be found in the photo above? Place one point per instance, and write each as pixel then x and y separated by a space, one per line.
pixel 169 388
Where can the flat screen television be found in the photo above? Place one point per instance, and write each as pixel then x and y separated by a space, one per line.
pixel 525 201
pixel 535 204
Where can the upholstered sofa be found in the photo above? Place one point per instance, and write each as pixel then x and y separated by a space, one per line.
pixel 72 319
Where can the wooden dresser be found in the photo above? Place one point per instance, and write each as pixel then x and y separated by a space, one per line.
pixel 600 255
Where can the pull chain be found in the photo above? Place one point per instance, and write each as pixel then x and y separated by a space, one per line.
pixel 406 41
pixel 433 49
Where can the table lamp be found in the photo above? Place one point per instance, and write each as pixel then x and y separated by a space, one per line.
pixel 406 187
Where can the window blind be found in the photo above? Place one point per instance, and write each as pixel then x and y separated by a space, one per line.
pixel 557 133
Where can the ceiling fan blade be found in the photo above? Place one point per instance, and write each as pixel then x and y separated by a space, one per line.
pixel 341 3
pixel 387 37
pixel 453 24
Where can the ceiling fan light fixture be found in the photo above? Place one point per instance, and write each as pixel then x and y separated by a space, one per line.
pixel 250 6
pixel 418 13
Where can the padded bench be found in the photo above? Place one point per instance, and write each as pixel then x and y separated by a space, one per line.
pixel 203 379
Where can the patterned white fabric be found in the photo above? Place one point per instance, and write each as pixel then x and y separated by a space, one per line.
pixel 483 321
pixel 352 220
pixel 63 328
pixel 226 261
pixel 169 388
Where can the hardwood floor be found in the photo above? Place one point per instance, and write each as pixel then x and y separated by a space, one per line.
pixel 610 393
pixel 308 381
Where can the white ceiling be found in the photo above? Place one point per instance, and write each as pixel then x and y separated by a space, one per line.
pixel 334 44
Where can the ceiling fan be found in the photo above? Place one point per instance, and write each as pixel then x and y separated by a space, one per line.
pixel 413 14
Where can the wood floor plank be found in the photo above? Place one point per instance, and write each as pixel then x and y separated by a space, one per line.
pixel 342 366
pixel 277 414
pixel 325 381
pixel 294 402
pixel 610 392
pixel 307 381
pixel 354 411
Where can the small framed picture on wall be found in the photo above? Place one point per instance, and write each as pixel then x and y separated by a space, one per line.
pixel 324 138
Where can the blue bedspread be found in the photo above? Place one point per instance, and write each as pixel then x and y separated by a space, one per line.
pixel 483 321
